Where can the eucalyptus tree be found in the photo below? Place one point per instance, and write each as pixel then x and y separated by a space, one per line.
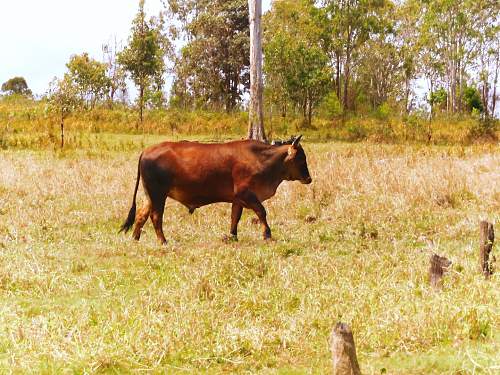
pixel 406 27
pixel 64 98
pixel 16 85
pixel 212 67
pixel 144 56
pixel 296 65
pixel 353 22
pixel 89 77
pixel 114 71
pixel 487 32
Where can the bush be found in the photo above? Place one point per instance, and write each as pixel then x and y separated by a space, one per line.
pixel 356 132
pixel 483 129
pixel 383 111
pixel 472 99
pixel 330 107
pixel 438 98
pixel 416 127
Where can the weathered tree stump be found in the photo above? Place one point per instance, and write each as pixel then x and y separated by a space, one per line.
pixel 438 266
pixel 343 350
pixel 487 236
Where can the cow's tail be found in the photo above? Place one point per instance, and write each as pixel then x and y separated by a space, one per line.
pixel 131 214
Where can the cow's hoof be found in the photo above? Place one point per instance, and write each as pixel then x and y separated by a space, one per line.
pixel 267 234
pixel 229 238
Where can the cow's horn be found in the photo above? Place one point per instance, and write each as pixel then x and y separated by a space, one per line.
pixel 296 141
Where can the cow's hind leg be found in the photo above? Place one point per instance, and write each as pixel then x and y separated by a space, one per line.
pixel 141 219
pixel 157 208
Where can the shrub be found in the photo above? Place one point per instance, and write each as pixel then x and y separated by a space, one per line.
pixel 472 99
pixel 356 132
pixel 383 111
pixel 484 128
pixel 330 106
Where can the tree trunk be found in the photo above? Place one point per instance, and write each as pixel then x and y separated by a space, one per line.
pixel 255 110
pixel 495 80
pixel 283 109
pixel 141 103
pixel 337 79
pixel 347 70
pixel 309 112
pixel 407 95
pixel 112 95
pixel 62 130
pixel 430 96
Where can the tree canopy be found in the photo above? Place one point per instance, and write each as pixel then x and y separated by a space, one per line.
pixel 16 85
pixel 144 56
pixel 212 69
pixel 89 76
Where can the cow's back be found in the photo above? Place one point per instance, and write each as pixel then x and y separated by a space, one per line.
pixel 196 173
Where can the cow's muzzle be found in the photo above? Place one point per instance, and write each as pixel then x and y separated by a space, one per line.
pixel 307 180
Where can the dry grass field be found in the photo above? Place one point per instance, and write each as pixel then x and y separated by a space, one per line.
pixel 354 246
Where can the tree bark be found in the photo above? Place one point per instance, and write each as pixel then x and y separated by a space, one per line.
pixel 407 95
pixel 255 110
pixel 495 80
pixel 487 236
pixel 343 350
pixel 62 130
pixel 141 102
pixel 309 112
pixel 347 72
pixel 337 78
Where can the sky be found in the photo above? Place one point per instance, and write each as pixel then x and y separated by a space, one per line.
pixel 38 37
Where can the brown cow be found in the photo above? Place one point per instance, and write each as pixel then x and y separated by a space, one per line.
pixel 244 173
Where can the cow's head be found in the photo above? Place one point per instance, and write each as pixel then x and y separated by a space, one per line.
pixel 296 163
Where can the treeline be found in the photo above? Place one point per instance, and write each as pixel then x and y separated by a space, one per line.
pixel 337 56
pixel 323 58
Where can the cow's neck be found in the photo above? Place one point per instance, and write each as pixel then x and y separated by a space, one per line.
pixel 275 164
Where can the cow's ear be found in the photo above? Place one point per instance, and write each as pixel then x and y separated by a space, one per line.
pixel 296 141
pixel 292 151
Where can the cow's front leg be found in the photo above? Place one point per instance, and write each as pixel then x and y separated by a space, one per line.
pixel 249 200
pixel 236 211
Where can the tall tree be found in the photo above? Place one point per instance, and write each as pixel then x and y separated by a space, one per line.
pixel 144 56
pixel 353 22
pixel 255 108
pixel 212 69
pixel 89 76
pixel 381 73
pixel 296 65
pixel 450 35
pixel 16 85
pixel 114 71
pixel 406 23
pixel 487 27
pixel 64 98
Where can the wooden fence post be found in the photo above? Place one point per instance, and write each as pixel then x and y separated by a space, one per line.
pixel 438 266
pixel 343 350
pixel 486 238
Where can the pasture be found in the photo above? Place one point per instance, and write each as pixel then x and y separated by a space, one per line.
pixel 76 297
